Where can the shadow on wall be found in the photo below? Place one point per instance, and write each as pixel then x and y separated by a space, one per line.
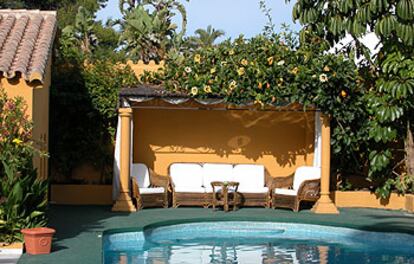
pixel 275 139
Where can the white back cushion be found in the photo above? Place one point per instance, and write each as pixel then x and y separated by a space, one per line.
pixel 216 172
pixel 186 174
pixel 249 176
pixel 141 173
pixel 305 173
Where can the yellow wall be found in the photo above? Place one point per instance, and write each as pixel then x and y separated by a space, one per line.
pixel 370 200
pixel 36 96
pixel 281 141
pixel 19 87
pixel 140 67
pixel 41 120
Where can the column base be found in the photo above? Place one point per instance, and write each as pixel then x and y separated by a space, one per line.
pixel 325 206
pixel 123 204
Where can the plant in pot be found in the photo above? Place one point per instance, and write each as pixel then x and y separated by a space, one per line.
pixel 23 197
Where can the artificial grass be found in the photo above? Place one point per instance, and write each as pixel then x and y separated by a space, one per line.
pixel 80 228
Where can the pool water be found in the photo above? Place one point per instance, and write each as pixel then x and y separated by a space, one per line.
pixel 256 242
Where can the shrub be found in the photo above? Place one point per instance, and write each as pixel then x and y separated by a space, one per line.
pixel 86 94
pixel 23 198
pixel 274 71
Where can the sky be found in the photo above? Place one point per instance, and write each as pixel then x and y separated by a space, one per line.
pixel 235 17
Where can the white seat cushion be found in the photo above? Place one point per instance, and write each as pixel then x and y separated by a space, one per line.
pixel 186 175
pixel 305 173
pixel 216 172
pixel 219 188
pixel 151 190
pixel 181 189
pixel 249 176
pixel 141 173
pixel 286 191
pixel 253 190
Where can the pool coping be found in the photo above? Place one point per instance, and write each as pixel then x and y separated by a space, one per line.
pixel 163 223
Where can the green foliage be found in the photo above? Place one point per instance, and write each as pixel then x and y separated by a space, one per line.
pixel 85 94
pixel 81 33
pixel 389 76
pixel 102 81
pixel 23 198
pixel 148 31
pixel 269 28
pixel 275 71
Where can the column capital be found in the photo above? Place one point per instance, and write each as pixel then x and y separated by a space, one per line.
pixel 125 111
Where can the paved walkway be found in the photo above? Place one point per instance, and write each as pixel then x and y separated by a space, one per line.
pixel 9 258
pixel 79 228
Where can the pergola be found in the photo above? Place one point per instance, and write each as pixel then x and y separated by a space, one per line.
pixel 156 97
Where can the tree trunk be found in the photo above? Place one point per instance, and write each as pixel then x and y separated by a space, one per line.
pixel 409 150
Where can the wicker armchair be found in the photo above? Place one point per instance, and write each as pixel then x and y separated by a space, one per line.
pixel 148 188
pixel 290 191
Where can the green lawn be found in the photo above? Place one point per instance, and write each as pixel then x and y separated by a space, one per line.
pixel 79 228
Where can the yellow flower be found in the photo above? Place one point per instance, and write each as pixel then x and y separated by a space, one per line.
pixel 223 63
pixel 17 141
pixel 280 82
pixel 280 63
pixel 295 70
pixel 241 71
pixel 197 58
pixel 212 70
pixel 257 101
pixel 244 62
pixel 326 69
pixel 270 60
pixel 323 78
pixel 207 89
pixel 344 94
pixel 194 91
pixel 187 69
pixel 260 85
pixel 231 52
pixel 233 85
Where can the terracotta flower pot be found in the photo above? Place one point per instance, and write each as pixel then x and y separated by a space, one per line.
pixel 38 240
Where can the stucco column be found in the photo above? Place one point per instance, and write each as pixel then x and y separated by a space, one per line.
pixel 325 205
pixel 124 202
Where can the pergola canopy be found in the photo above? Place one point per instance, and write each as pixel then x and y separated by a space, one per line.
pixel 151 96
pixel 157 97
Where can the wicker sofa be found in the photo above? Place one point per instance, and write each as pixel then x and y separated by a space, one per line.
pixel 191 183
pixel 290 191
pixel 147 188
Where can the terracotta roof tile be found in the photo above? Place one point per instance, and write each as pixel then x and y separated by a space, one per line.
pixel 26 39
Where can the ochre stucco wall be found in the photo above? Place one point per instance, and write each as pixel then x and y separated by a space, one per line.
pixel 36 96
pixel 41 120
pixel 19 87
pixel 281 141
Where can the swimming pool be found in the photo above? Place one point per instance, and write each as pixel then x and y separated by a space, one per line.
pixel 256 242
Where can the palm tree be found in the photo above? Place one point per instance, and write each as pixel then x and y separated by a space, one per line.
pixel 207 37
pixel 148 31
pixel 82 32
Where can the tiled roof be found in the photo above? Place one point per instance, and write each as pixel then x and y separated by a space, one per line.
pixel 26 39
